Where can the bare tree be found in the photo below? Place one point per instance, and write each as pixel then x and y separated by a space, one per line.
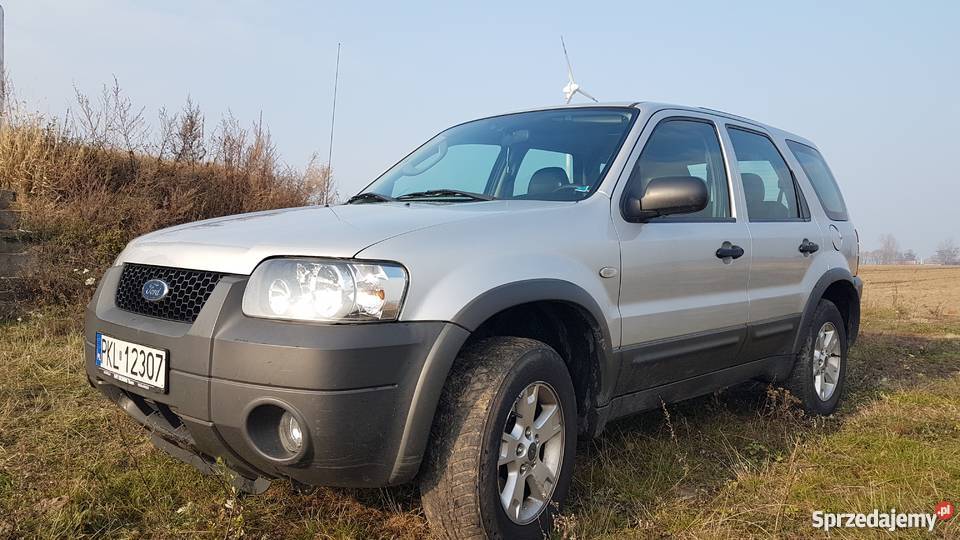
pixel 318 181
pixel 188 139
pixel 130 130
pixel 889 249
pixel 91 119
pixel 948 252
pixel 229 142
pixel 110 121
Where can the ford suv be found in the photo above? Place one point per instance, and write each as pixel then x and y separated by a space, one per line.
pixel 512 285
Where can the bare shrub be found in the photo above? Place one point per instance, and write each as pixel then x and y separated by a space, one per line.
pixel 94 179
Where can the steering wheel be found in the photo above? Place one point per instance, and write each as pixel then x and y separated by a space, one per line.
pixel 576 188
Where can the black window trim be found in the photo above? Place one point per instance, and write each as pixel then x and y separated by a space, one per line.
pixel 798 192
pixel 828 213
pixel 726 172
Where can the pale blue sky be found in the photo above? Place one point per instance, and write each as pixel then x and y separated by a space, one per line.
pixel 874 84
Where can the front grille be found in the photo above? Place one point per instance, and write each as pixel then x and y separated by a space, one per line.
pixel 189 290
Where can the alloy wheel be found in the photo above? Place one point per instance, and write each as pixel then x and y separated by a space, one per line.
pixel 531 453
pixel 826 361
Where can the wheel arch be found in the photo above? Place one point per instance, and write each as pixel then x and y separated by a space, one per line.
pixel 840 287
pixel 561 314
pixel 474 320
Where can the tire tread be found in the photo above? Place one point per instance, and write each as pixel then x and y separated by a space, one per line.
pixel 449 486
pixel 800 382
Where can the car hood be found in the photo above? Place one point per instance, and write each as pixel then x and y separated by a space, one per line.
pixel 236 244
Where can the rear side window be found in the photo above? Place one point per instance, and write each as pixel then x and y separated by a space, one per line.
pixel 824 184
pixel 767 183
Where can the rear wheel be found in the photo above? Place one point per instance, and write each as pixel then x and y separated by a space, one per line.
pixel 502 449
pixel 820 370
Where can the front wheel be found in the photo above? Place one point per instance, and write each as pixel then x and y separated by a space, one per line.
pixel 501 453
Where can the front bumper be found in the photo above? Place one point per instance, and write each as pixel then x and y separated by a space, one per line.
pixel 366 393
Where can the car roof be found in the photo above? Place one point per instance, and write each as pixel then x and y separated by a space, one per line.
pixel 653 107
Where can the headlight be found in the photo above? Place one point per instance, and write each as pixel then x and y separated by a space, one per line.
pixel 325 290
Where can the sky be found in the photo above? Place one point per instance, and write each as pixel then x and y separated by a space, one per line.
pixel 876 85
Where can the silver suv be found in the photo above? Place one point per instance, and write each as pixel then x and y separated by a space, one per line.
pixel 515 283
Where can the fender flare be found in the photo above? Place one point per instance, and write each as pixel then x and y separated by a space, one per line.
pixel 832 276
pixel 516 293
pixel 440 360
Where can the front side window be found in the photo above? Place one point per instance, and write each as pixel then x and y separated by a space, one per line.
pixel 824 184
pixel 767 183
pixel 560 154
pixel 683 147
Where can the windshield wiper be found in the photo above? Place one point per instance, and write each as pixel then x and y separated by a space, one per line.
pixel 442 193
pixel 369 197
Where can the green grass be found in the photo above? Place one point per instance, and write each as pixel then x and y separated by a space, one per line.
pixel 742 463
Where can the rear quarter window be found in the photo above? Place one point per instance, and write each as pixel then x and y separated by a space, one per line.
pixel 824 184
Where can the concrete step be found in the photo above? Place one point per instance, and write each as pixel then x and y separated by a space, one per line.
pixel 12 241
pixel 11 246
pixel 14 235
pixel 9 219
pixel 12 264
pixel 7 198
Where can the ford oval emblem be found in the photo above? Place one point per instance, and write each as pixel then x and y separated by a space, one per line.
pixel 155 290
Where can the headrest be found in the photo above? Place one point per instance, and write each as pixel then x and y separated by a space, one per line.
pixel 786 184
pixel 547 180
pixel 753 188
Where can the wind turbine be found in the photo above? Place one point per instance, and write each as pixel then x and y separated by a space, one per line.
pixel 572 87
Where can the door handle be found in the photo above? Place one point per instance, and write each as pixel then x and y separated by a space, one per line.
pixel 807 247
pixel 729 251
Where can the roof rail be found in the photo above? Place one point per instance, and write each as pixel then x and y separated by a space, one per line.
pixel 731 115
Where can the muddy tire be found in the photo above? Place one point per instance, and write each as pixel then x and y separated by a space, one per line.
pixel 819 373
pixel 502 448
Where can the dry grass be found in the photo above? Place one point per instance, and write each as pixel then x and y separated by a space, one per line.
pixel 93 179
pixel 738 464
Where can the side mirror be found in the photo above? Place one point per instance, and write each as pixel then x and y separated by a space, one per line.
pixel 664 196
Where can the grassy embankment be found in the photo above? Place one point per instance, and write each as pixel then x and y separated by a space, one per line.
pixel 89 181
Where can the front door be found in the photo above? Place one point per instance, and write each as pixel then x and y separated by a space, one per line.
pixel 683 293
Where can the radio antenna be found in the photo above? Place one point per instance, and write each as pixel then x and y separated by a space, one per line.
pixel 333 115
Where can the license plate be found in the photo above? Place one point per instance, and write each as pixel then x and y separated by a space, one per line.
pixel 132 363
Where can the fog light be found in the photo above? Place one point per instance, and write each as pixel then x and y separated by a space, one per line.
pixel 291 435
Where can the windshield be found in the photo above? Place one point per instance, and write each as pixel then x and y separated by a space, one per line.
pixel 558 154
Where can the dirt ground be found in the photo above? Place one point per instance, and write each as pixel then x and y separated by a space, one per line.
pixel 919 292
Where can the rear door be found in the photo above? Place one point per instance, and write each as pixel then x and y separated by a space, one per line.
pixel 683 308
pixel 784 240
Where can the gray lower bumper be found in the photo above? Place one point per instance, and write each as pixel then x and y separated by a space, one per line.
pixel 366 392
